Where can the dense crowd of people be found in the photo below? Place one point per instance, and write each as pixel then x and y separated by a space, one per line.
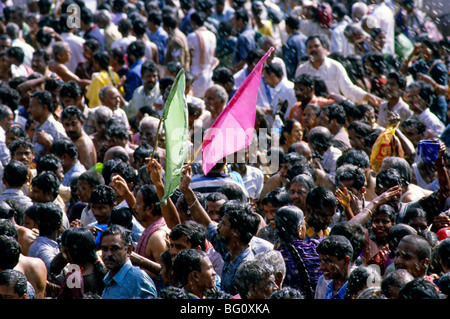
pixel 342 194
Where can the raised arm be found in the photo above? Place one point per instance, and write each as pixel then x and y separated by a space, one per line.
pixel 169 211
pixel 198 212
pixel 121 187
pixel 364 216
pixel 145 263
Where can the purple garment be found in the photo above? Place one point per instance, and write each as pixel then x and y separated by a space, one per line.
pixel 307 251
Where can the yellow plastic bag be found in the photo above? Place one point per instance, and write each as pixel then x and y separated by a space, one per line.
pixel 383 146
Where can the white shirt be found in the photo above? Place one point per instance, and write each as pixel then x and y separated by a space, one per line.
pixel 432 122
pixel 27 50
pixel 203 72
pixel 253 181
pixel 401 108
pixel 385 21
pixel 328 161
pixel 209 40
pixel 87 216
pixel 123 43
pixel 335 77
pixel 339 42
pixel 76 46
pixel 284 91
pixel 5 155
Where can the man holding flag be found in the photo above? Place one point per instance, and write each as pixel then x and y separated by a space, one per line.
pixel 149 212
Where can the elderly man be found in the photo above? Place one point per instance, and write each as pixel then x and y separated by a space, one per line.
pixel 61 55
pixel 75 42
pixel 101 115
pixel 110 96
pixel 216 98
pixel 332 72
pixel 110 30
pixel 148 130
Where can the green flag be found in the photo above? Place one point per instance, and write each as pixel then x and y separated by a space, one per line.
pixel 175 117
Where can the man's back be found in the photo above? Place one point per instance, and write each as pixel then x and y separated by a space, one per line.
pixel 76 47
pixel 212 182
pixel 293 51
pixel 17 197
pixel 245 43
pixel 177 49
pixel 45 249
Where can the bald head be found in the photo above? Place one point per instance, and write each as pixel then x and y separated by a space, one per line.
pixel 319 139
pixel 301 148
pixel 359 9
pixel 101 115
pixel 216 97
pixel 148 128
pixel 116 152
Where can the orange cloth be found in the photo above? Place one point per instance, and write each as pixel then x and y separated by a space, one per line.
pixel 297 110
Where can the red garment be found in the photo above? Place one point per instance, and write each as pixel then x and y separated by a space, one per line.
pixel 378 87
pixel 373 255
pixel 296 111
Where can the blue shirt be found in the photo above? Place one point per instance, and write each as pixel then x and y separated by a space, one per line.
pixel 134 79
pixel 226 14
pixel 185 24
pixel 45 249
pixel 293 51
pixel 245 43
pixel 230 266
pixel 340 294
pixel 95 33
pixel 76 170
pixel 159 37
pixel 437 70
pixel 129 283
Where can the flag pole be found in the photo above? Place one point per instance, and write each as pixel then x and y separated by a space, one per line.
pixel 156 138
pixel 194 154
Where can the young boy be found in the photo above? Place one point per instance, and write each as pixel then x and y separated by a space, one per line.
pixel 86 183
pixel 101 201
pixel 395 85
pixel 335 255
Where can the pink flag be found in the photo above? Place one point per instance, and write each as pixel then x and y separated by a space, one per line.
pixel 233 129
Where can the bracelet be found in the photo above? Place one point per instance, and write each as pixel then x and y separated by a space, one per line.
pixel 192 205
pixel 370 212
pixel 435 86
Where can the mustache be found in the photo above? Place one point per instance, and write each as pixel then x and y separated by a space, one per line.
pixel 109 258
